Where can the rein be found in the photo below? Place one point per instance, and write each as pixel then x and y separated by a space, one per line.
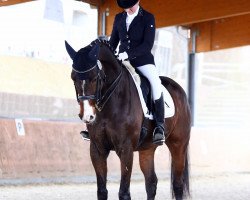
pixel 101 100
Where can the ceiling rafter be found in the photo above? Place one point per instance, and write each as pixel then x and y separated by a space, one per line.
pixel 12 2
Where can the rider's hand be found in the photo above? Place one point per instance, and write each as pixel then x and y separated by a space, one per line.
pixel 123 56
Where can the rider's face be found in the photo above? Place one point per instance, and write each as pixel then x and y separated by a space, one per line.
pixel 132 10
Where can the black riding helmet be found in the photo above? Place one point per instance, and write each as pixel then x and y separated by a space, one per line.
pixel 126 3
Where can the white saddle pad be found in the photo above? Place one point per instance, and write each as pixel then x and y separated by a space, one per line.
pixel 169 103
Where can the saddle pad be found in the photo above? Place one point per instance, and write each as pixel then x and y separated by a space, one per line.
pixel 169 104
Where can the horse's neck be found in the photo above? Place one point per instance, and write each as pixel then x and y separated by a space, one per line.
pixel 106 54
pixel 108 59
pixel 112 69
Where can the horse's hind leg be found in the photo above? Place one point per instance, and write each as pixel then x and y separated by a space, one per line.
pixel 99 160
pixel 179 170
pixel 147 166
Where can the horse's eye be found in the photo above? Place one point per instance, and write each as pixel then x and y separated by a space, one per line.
pixel 89 81
pixel 94 79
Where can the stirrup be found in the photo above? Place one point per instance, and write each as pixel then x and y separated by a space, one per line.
pixel 85 135
pixel 158 136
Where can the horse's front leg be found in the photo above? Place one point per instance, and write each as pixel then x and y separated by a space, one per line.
pixel 126 158
pixel 146 158
pixel 99 161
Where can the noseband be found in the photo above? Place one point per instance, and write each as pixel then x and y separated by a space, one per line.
pixel 100 99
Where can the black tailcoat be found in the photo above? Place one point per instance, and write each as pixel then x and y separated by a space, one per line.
pixel 138 40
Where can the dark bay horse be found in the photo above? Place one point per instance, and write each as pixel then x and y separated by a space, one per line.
pixel 110 90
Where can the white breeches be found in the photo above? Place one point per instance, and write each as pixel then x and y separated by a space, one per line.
pixel 150 72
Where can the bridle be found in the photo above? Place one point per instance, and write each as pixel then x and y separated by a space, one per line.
pixel 100 99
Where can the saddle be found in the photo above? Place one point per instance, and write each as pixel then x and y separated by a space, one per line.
pixel 145 94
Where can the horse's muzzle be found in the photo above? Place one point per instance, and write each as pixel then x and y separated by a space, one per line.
pixel 89 113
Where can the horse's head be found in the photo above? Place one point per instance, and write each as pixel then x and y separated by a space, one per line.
pixel 88 78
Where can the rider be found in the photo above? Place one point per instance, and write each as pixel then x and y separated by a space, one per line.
pixel 135 30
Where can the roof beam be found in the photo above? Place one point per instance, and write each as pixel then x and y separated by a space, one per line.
pixel 183 12
pixel 12 2
pixel 222 33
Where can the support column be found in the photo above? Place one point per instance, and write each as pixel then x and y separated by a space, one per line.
pixel 191 74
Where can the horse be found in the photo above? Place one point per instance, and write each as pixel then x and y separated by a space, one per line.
pixel 117 118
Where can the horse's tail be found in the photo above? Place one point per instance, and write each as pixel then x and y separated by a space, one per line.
pixel 185 192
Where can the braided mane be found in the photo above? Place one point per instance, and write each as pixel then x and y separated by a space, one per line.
pixel 106 43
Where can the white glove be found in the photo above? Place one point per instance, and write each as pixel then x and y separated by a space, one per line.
pixel 123 56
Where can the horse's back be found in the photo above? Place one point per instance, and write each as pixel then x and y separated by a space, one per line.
pixel 182 117
pixel 173 87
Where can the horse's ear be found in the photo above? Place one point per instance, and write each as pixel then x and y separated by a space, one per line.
pixel 70 50
pixel 94 53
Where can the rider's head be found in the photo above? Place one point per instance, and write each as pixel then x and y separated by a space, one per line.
pixel 130 6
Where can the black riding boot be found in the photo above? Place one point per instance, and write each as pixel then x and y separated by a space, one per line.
pixel 85 135
pixel 158 135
